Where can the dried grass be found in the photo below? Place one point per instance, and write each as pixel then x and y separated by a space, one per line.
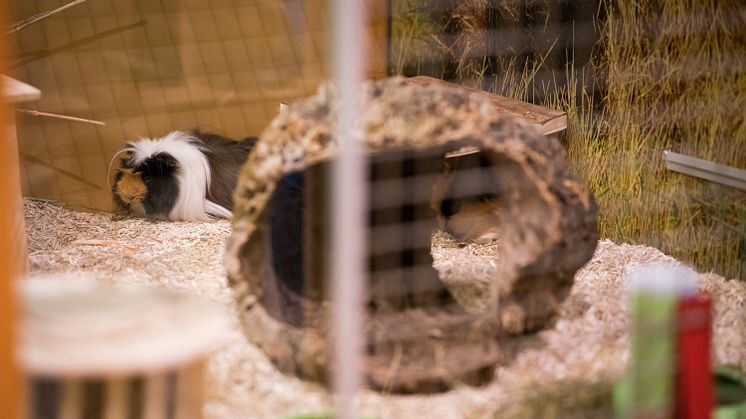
pixel 667 80
pixel 586 346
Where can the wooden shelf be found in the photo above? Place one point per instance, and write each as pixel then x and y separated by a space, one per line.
pixel 548 121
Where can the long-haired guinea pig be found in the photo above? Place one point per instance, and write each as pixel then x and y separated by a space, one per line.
pixel 182 176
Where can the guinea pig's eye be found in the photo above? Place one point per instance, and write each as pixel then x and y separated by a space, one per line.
pixel 146 177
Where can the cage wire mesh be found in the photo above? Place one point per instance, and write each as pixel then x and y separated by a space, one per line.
pixel 597 60
pixel 147 67
pixel 435 154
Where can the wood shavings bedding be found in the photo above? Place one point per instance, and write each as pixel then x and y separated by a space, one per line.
pixel 586 344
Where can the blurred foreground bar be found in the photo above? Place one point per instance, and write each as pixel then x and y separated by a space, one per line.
pixel 12 239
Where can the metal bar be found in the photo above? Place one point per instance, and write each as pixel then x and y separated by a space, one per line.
pixel 58 116
pixel 705 169
pixel 41 16
pixel 349 234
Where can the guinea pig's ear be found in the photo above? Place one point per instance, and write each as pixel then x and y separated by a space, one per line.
pixel 123 160
pixel 249 142
pixel 126 159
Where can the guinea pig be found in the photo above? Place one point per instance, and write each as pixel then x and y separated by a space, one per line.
pixel 181 176
pixel 464 199
pixel 476 220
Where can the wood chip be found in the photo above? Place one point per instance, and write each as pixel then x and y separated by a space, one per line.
pixel 587 343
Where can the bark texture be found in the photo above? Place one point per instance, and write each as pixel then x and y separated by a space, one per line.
pixel 419 338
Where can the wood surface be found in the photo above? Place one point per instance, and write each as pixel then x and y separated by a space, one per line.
pixel 12 262
pixel 548 121
pixel 12 243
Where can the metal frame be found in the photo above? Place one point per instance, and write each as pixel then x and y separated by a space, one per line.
pixel 705 169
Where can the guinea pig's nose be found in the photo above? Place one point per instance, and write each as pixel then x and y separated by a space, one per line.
pixel 136 208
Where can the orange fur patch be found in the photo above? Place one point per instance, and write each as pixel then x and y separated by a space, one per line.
pixel 131 187
pixel 476 221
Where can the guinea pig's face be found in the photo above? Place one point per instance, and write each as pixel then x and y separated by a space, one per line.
pixel 149 188
pixel 130 191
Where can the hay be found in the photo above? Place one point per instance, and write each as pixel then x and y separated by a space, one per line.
pixel 466 268
pixel 586 344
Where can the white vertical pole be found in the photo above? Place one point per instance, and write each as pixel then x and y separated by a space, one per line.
pixel 349 209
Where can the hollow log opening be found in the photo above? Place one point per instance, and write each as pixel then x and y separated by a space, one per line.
pixel 439 158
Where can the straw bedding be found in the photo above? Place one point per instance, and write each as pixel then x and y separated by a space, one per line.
pixel 586 344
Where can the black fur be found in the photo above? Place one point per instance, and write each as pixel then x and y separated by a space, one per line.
pixel 163 188
pixel 119 204
pixel 226 157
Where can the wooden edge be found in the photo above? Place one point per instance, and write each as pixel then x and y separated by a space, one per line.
pixel 463 151
pixel 547 120
pixel 15 91
pixel 554 125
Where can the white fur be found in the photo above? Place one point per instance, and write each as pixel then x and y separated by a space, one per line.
pixel 193 175
pixel 216 210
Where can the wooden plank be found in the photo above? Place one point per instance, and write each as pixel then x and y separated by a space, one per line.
pixel 705 169
pixel 11 266
pixel 15 91
pixel 12 246
pixel 548 121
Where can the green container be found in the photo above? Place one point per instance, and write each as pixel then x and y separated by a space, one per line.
pixel 730 392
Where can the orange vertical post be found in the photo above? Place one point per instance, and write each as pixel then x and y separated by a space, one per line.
pixel 12 263
pixel 12 240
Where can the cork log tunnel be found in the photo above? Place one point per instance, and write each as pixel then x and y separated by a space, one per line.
pixel 419 337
